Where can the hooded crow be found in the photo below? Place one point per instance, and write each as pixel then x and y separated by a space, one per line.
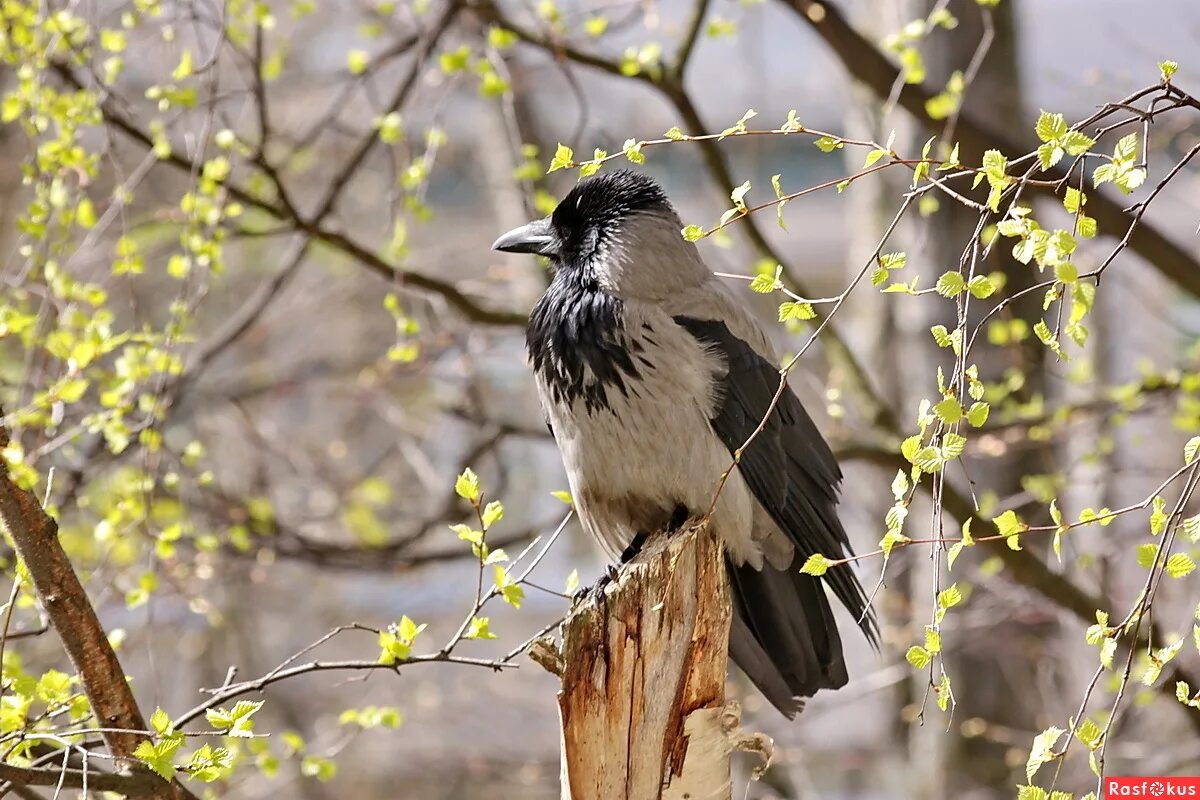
pixel 652 373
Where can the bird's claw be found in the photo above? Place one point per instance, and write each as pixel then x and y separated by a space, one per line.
pixel 596 589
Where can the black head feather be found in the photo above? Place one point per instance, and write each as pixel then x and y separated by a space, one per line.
pixel 575 336
pixel 594 209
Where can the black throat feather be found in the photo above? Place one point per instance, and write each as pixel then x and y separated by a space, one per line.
pixel 577 344
pixel 576 337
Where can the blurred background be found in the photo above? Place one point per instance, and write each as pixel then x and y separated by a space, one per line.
pixel 352 344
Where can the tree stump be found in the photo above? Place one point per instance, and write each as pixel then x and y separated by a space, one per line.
pixel 642 704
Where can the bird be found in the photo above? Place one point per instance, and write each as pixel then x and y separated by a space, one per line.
pixel 652 372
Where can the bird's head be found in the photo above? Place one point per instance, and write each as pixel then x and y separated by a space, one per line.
pixel 618 229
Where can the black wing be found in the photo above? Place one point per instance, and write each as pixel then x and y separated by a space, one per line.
pixel 789 466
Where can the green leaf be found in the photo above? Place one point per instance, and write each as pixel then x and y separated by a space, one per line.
pixel 357 60
pixel 1127 148
pixel 454 61
pixel 501 38
pixel 949 410
pixel 1190 449
pixel 955 549
pixel 390 127
pixel 236 721
pixel 978 414
pixel 981 287
pixel 208 764
pixel 874 156
pixel 738 196
pixel 160 721
pixel 590 168
pixel 595 25
pixel 53 688
pixel 467 533
pixel 1043 750
pixel 1050 126
pixel 827 144
pixel 479 629
pixel 158 757
pixel 563 497
pixel 949 597
pixel 467 485
pixel 929 459
pixel 739 126
pixel 1166 70
pixel 1089 734
pixel 633 151
pixel 408 630
pixel 1191 528
pixel 950 284
pixel 693 233
pixel 919 657
pixel 891 539
pixel 511 591
pixel 674 134
pixel 796 310
pixel 765 283
pixel 1010 526
pixel 492 513
pixel 1158 516
pixel 944 695
pixel 1049 154
pixel 816 564
pixel 1180 565
pixel 1147 554
pixel 1066 272
pixel 323 769
pixel 1076 143
pixel 564 158
pixel 953 445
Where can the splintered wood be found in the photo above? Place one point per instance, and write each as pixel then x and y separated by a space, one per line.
pixel 643 684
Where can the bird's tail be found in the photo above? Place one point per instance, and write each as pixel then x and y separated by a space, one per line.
pixel 783 635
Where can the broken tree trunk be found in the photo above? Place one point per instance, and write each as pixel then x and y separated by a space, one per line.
pixel 642 704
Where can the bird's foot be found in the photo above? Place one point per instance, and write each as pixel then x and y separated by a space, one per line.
pixel 679 518
pixel 596 589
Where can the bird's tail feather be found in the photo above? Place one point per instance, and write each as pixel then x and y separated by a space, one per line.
pixel 783 635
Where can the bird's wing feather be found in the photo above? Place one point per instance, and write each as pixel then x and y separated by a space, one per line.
pixel 788 466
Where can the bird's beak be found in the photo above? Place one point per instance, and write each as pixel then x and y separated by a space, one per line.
pixel 536 237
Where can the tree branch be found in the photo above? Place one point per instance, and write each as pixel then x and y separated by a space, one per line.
pixel 871 67
pixel 1032 572
pixel 136 784
pixel 35 536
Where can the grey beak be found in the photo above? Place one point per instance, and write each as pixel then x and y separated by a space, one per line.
pixel 537 237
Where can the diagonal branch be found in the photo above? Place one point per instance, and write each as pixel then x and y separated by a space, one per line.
pixel 35 536
pixel 1032 572
pixel 867 64
pixel 137 784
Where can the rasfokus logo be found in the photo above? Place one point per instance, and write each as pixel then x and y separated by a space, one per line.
pixel 1148 786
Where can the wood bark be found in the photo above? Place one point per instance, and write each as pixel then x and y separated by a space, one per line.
pixel 643 679
pixel 35 536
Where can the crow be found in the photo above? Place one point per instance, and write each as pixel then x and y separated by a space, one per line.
pixel 652 373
